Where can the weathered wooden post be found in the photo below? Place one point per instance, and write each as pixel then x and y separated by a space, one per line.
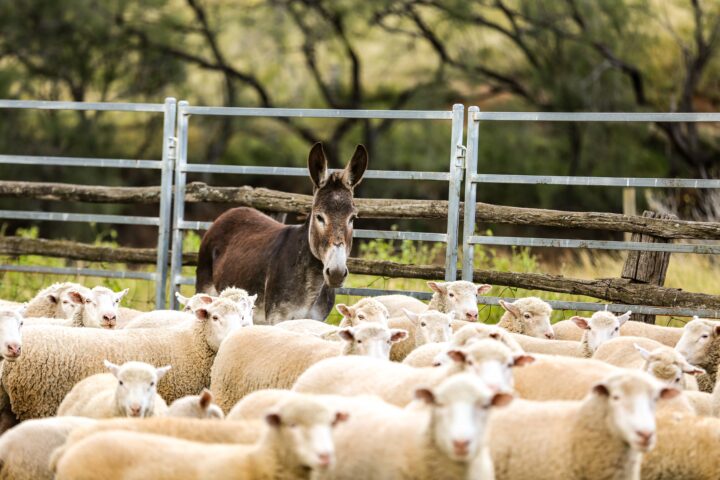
pixel 647 267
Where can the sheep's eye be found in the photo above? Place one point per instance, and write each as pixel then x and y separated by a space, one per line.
pixel 705 336
pixel 617 329
pixel 361 317
pixel 615 397
pixel 423 324
pixel 65 302
pixel 451 295
pixel 120 382
pixel 359 341
pixel 450 325
pixel 152 384
pixel 677 380
pixel 88 301
pixel 22 323
pixel 527 315
pixel 320 219
pixel 215 317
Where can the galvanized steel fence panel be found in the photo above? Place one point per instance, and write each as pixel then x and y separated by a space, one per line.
pixel 473 179
pixel 453 176
pixel 165 165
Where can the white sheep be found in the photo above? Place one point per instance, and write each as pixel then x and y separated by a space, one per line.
pixel 435 354
pixel 296 443
pixel 565 330
pixel 57 358
pixel 268 357
pixel 662 362
pixel 54 301
pixel 190 304
pixel 443 435
pixel 25 449
pixel 196 406
pixel 685 449
pixel 550 347
pixel 130 390
pixel 602 436
pixel 700 345
pixel 429 326
pixel 599 328
pixel 527 316
pixel 72 305
pixel 395 382
pixel 458 297
pixel 11 322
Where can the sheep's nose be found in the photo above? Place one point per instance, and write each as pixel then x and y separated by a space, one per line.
pixel 550 335
pixel 324 459
pixel 110 319
pixel 471 316
pixel 14 349
pixel 645 436
pixel 134 410
pixel 461 446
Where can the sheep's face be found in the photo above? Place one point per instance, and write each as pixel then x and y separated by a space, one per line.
pixel 472 333
pixel 668 366
pixel 196 406
pixel 305 430
pixel 697 338
pixel 632 398
pixel 99 306
pixel 459 298
pixel 11 322
pixel 600 328
pixel 222 317
pixel 136 388
pixel 66 306
pixel 491 361
pixel 460 407
pixel 431 326
pixel 370 339
pixel 193 303
pixel 533 316
pixel 365 310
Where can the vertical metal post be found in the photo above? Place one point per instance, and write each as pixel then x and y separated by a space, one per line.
pixel 457 154
pixel 165 209
pixel 179 208
pixel 473 132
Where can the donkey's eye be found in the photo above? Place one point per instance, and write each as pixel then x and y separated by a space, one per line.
pixel 320 219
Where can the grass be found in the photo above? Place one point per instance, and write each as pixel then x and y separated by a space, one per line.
pixel 695 273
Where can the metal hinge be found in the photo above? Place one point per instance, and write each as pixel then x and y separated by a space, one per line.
pixel 460 155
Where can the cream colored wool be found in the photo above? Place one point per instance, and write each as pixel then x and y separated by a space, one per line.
pixel 283 451
pixel 54 301
pixel 527 316
pixel 254 405
pixel 160 319
pixel 107 395
pixel 25 449
pixel 190 304
pixel 430 354
pixel 566 330
pixel 423 328
pixel 261 357
pixel 448 297
pixel 700 345
pixel 54 359
pixel 196 406
pixel 573 440
pixel 395 382
pixel 549 347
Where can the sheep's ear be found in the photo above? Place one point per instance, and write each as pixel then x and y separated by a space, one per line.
pixel 601 389
pixel 457 355
pixel 22 309
pixel 398 334
pixel 160 372
pixel 483 288
pixel 624 317
pixel 346 334
pixel 716 330
pixel 76 297
pixel 53 298
pixel 645 354
pixel 340 417
pixel 495 336
pixel 114 369
pixel 522 360
pixel 411 315
pixel 273 419
pixel 581 322
pixel 440 288
pixel 317 165
pixel 510 307
pixel 501 399
pixel 426 395
pixel 206 398
pixel 344 310
pixel 355 169
pixel 692 369
pixel 251 300
pixel 202 314
pixel 181 300
pixel 668 393
pixel 119 295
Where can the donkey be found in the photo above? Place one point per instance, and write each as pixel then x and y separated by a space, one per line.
pixel 294 269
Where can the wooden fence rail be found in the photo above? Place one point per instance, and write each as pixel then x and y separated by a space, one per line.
pixel 616 290
pixel 282 202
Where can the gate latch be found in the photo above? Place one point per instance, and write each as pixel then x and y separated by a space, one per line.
pixel 460 155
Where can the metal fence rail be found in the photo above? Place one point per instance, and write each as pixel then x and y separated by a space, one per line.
pixel 165 166
pixel 473 179
pixel 453 176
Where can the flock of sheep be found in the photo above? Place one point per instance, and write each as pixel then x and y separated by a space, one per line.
pixel 399 390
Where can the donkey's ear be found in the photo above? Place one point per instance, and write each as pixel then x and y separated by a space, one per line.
pixel 317 165
pixel 354 171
